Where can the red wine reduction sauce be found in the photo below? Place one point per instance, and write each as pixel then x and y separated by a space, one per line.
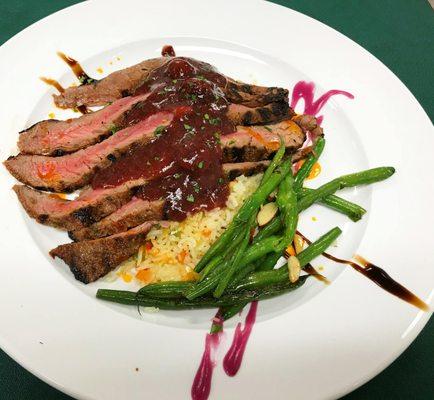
pixel 168 51
pixel 380 277
pixel 183 164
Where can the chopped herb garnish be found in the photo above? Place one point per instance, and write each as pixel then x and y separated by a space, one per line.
pixel 231 142
pixel 206 116
pixel 200 165
pixel 201 77
pixel 156 158
pixel 188 127
pixel 267 128
pixel 113 129
pixel 214 121
pixel 85 80
pixel 176 175
pixel 221 180
pixel 190 198
pixel 202 128
pixel 159 131
pixel 174 80
pixel 193 97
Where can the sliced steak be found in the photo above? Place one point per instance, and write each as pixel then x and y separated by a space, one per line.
pixel 115 86
pixel 125 82
pixel 89 207
pixel 242 115
pixel 93 204
pixel 134 213
pixel 261 142
pixel 252 95
pixel 91 259
pixel 54 137
pixel 72 171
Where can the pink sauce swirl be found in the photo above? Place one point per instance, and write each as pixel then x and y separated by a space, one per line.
pixel 203 378
pixel 235 354
pixel 305 90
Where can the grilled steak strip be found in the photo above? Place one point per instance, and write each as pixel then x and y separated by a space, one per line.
pixel 92 259
pixel 137 210
pixel 54 137
pixel 124 83
pixel 113 87
pixel 92 204
pixel 72 171
pixel 261 142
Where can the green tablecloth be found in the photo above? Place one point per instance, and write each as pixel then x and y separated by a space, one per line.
pixel 401 34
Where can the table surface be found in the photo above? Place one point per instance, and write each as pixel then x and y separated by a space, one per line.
pixel 398 32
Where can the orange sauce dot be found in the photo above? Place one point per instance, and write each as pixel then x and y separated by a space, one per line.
pixel 145 275
pixel 99 70
pixel 315 171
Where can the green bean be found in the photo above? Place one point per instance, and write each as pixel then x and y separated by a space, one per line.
pixel 287 202
pixel 250 206
pixel 271 228
pixel 165 289
pixel 359 178
pixel 269 262
pixel 352 210
pixel 305 169
pixel 253 253
pixel 276 161
pixel 277 276
pixel 207 284
pixel 214 263
pixel 230 299
pixel 235 262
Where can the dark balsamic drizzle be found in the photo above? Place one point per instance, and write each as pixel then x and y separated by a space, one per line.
pixel 380 277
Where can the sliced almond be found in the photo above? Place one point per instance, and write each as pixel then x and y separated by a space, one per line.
pixel 266 213
pixel 298 243
pixel 294 269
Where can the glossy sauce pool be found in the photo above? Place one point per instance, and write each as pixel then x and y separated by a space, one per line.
pixel 183 164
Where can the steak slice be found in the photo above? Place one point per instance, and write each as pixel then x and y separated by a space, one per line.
pixel 91 259
pixel 72 171
pixel 124 83
pixel 115 86
pixel 92 204
pixel 261 142
pixel 54 137
pixel 137 210
pixel 242 115
pixel 133 213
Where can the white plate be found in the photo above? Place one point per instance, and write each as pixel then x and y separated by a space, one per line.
pixel 317 343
